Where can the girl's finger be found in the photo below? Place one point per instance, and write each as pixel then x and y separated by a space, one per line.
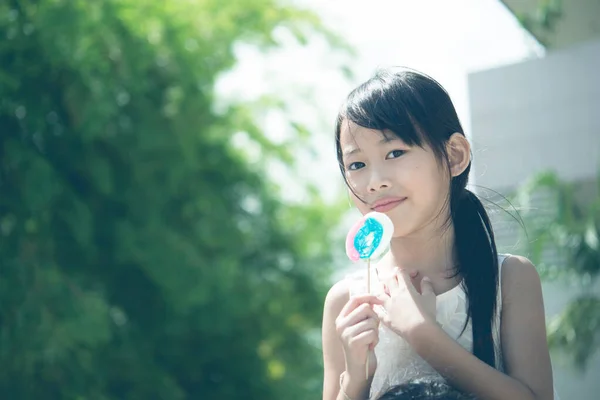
pixel 426 287
pixel 404 281
pixel 362 326
pixel 382 314
pixel 356 301
pixel 362 312
pixel 392 282
pixel 369 337
pixel 384 296
pixel 386 290
pixel 374 343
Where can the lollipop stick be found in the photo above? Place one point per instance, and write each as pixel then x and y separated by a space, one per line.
pixel 368 292
pixel 368 276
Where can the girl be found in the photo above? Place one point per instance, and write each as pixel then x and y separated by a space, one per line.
pixel 447 305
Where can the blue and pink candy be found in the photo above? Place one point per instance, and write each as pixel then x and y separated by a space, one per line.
pixel 369 237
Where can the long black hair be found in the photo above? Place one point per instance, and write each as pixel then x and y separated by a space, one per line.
pixel 419 111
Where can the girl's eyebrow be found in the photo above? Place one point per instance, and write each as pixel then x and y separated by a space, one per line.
pixel 388 139
pixel 387 136
pixel 348 151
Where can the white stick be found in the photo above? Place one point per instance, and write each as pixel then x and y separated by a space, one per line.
pixel 368 292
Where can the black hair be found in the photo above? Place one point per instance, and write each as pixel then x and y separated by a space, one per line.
pixel 418 110
pixel 424 389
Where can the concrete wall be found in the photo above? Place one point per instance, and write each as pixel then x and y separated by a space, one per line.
pixel 537 115
pixel 579 21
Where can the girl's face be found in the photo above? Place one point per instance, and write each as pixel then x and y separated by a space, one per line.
pixel 384 174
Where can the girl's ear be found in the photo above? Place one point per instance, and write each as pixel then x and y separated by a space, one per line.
pixel 459 153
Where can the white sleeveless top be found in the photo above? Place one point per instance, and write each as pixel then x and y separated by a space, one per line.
pixel 397 362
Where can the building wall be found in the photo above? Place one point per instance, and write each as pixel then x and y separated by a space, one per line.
pixel 539 115
pixel 579 21
pixel 536 115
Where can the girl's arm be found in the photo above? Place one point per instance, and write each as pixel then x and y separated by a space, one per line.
pixel 333 354
pixel 357 323
pixel 524 346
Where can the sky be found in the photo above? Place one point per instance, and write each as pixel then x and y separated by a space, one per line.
pixel 445 39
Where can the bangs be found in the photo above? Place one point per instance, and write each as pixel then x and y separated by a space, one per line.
pixel 381 105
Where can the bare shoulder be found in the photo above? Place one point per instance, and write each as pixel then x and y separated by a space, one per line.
pixel 520 268
pixel 519 275
pixel 337 297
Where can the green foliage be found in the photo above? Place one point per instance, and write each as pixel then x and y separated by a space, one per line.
pixel 573 232
pixel 141 255
pixel 542 23
pixel 575 330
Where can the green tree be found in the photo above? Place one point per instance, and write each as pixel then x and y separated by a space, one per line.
pixel 543 21
pixel 572 231
pixel 142 256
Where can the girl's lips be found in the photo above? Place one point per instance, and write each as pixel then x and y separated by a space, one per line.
pixel 387 204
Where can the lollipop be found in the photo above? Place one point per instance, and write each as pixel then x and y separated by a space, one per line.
pixel 369 238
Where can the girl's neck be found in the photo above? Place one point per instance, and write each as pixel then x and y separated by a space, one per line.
pixel 427 253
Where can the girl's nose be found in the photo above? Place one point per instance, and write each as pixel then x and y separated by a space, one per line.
pixel 379 183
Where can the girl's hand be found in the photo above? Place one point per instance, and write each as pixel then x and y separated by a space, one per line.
pixel 405 310
pixel 358 328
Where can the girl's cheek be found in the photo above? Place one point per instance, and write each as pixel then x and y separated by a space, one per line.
pixel 355 189
pixel 352 183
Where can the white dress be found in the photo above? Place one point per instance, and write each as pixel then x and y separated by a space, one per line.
pixel 397 362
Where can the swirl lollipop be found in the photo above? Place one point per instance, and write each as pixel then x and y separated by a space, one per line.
pixel 369 238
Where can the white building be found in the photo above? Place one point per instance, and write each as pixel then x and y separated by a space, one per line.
pixel 543 114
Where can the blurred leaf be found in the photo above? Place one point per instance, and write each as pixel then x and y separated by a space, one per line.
pixel 571 230
pixel 575 331
pixel 543 21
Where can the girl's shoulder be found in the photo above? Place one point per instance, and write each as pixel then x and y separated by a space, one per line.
pixel 336 298
pixel 517 273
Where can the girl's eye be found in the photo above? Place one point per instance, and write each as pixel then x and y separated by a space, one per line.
pixel 356 165
pixel 395 153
